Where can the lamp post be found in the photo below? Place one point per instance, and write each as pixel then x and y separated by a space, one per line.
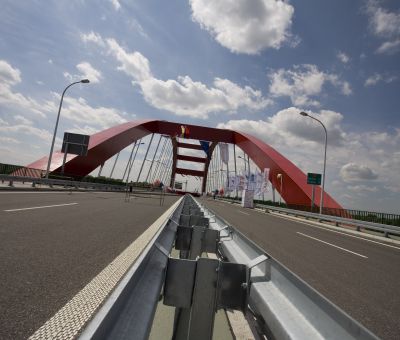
pixel 305 114
pixel 279 176
pixel 84 81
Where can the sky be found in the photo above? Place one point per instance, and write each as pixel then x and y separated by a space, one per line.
pixel 246 65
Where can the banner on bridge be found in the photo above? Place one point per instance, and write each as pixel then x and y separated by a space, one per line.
pixel 257 182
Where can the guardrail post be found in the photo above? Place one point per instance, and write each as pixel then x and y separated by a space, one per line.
pixel 198 289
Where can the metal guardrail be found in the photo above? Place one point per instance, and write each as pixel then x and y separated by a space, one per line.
pixel 65 183
pixel 359 225
pixel 384 228
pixel 129 310
pixel 288 307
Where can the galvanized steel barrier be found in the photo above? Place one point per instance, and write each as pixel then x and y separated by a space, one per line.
pixel 58 182
pixel 284 306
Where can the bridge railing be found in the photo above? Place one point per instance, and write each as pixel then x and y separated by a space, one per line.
pixel 338 221
pixel 361 215
pixel 66 184
pixel 19 174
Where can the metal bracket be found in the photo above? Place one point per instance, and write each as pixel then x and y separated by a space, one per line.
pixel 197 240
pixel 161 249
pixel 253 263
pixel 199 288
pixel 230 233
pixel 189 220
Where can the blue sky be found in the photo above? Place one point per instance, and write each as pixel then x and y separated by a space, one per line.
pixel 248 65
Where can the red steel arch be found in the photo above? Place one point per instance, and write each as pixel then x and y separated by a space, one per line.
pixel 105 144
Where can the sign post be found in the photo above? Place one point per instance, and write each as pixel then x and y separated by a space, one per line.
pixel 313 179
pixel 312 197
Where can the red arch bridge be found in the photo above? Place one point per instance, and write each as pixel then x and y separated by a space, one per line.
pixel 105 144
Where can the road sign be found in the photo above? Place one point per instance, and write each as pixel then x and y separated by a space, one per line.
pixel 178 185
pixel 314 179
pixel 75 143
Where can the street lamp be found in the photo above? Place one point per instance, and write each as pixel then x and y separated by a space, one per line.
pixel 279 176
pixel 248 164
pixel 84 81
pixel 305 114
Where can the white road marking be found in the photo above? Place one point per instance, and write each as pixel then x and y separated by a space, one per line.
pixel 333 245
pixel 42 207
pixel 327 228
pixel 70 319
pixel 242 212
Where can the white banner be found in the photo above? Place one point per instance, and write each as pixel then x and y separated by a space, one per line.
pixel 224 152
pixel 265 184
pixel 257 182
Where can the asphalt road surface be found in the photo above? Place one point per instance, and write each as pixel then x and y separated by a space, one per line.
pixel 361 277
pixel 53 244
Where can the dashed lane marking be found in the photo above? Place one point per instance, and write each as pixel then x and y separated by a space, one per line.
pixel 242 212
pixel 333 245
pixel 41 207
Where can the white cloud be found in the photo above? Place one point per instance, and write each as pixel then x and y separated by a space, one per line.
pixel 136 26
pixel 189 98
pixel 304 82
pixel 245 26
pixel 84 129
pixel 343 57
pixel 389 47
pixel 386 25
pixel 287 127
pixel 182 96
pixel 22 120
pixel 383 22
pixel 377 77
pixel 15 101
pixel 362 188
pixel 133 64
pixel 27 130
pixel 20 108
pixel 78 110
pixel 8 74
pixel 116 4
pixel 372 80
pixel 89 72
pixel 93 37
pixel 9 140
pixel 356 172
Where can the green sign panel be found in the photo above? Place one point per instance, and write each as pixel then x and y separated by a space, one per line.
pixel 314 179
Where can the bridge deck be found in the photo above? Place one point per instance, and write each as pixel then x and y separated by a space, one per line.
pixel 47 255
